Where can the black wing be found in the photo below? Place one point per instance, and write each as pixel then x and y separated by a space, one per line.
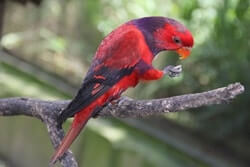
pixel 92 88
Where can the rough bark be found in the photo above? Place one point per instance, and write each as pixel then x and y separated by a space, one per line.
pixel 48 111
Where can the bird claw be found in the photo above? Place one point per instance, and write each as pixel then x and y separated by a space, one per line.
pixel 173 71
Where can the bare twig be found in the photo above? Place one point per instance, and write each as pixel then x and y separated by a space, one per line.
pixel 48 111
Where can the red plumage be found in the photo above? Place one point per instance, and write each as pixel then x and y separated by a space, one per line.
pixel 123 59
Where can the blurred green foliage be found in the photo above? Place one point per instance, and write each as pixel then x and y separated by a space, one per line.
pixel 61 37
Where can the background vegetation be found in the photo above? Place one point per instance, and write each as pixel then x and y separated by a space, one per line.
pixel 52 46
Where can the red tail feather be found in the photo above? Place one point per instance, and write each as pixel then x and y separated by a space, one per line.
pixel 76 127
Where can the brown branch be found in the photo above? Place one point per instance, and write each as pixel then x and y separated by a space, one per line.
pixel 48 111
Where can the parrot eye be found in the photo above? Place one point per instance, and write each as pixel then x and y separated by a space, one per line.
pixel 176 40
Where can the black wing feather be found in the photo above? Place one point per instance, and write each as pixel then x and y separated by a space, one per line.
pixel 84 96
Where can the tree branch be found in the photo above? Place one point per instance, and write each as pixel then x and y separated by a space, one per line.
pixel 48 111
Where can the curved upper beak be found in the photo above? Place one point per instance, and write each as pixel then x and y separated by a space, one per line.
pixel 184 52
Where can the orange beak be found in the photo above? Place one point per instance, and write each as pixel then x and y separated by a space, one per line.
pixel 184 52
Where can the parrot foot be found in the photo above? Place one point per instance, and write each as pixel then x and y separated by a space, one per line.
pixel 172 71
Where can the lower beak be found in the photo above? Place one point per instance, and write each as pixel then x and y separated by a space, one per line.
pixel 184 52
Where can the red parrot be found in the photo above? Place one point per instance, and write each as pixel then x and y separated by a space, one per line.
pixel 123 58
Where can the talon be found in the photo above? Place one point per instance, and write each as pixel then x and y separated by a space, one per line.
pixel 177 69
pixel 173 71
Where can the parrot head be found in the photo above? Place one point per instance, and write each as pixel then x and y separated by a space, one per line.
pixel 163 33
